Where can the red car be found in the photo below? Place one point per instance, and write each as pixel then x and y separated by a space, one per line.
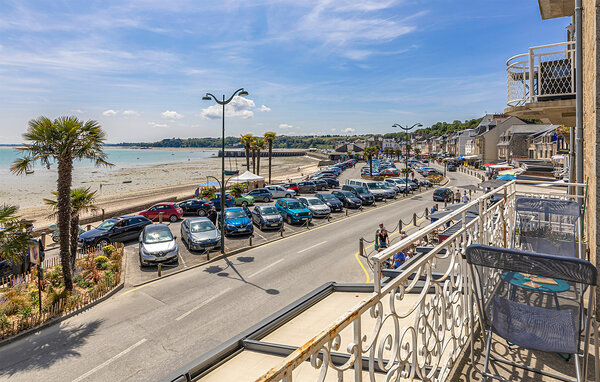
pixel 292 186
pixel 170 211
pixel 389 172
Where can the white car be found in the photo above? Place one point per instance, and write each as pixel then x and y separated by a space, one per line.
pixel 316 206
pixel 280 192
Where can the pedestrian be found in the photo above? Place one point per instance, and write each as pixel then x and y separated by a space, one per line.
pixel 382 237
pixel 434 208
pixel 403 235
pixel 197 192
pixel 212 215
pixel 465 198
pixel 457 197
pixel 399 259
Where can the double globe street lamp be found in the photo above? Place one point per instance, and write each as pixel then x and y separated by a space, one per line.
pixel 242 93
pixel 406 130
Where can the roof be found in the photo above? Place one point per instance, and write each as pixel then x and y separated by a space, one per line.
pixel 527 129
pixel 247 177
pixel 551 9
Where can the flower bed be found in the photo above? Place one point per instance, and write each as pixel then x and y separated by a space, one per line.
pixel 98 272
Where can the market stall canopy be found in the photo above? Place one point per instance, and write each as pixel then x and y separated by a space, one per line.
pixel 510 172
pixel 210 183
pixel 247 177
pixel 499 166
pixel 494 183
pixel 471 187
pixel 488 164
pixel 507 177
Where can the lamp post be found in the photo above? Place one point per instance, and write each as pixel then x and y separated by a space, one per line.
pixel 242 93
pixel 406 130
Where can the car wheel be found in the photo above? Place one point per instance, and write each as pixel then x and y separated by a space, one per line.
pixel 261 227
pixel 142 264
pixel 288 195
pixel 103 243
pixel 288 219
pixel 201 212
pixel 173 218
pixel 244 204
pixel 267 200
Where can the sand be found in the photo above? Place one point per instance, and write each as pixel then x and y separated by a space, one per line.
pixel 119 188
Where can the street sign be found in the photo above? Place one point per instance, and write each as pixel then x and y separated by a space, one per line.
pixel 34 253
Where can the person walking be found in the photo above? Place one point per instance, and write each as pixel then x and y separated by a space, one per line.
pixel 212 215
pixel 465 198
pixel 457 197
pixel 382 237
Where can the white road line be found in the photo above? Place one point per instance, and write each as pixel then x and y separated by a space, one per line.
pixel 182 260
pixel 202 304
pixel 265 268
pixel 311 247
pixel 264 238
pixel 110 360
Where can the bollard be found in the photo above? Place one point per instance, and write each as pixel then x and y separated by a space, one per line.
pixel 445 203
pixel 102 214
pixel 307 223
pixel 89 227
pixel 346 212
pixel 400 225
pixel 385 200
pixel 415 220
pixel 281 231
pixel 361 246
pixel 160 217
pixel 426 212
pixel 159 270
pixel 361 207
pixel 43 240
pixel 329 218
pixel 251 236
pixel 470 193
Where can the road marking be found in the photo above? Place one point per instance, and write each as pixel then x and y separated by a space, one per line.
pixel 182 260
pixel 264 238
pixel 311 247
pixel 265 268
pixel 110 360
pixel 202 304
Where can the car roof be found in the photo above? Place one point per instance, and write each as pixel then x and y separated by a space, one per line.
pixel 323 193
pixel 234 209
pixel 260 207
pixel 289 199
pixel 157 227
pixel 198 219
pixel 164 203
pixel 309 197
pixel 129 217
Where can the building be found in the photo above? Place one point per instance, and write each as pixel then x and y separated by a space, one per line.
pixel 457 142
pixel 514 142
pixel 389 143
pixel 485 142
pixel 546 144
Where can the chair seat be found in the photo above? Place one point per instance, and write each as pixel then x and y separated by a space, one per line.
pixel 534 328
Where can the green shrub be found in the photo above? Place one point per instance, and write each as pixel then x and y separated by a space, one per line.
pixel 15 302
pixel 77 278
pixel 108 250
pixel 3 322
pixel 100 260
pixel 26 311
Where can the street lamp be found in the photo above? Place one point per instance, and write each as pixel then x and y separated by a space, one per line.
pixel 242 93
pixel 406 130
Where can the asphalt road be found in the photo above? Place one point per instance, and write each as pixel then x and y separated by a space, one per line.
pixel 144 333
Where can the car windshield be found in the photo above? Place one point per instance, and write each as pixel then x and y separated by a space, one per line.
pixel 315 202
pixel 158 236
pixel 295 205
pixel 348 194
pixel 373 186
pixel 269 211
pixel 201 227
pixel 329 197
pixel 235 214
pixel 107 224
pixel 362 191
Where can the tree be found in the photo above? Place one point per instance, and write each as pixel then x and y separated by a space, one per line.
pixel 247 141
pixel 236 191
pixel 369 153
pixel 82 200
pixel 270 138
pixel 259 144
pixel 14 239
pixel 62 141
pixel 417 151
pixel 398 153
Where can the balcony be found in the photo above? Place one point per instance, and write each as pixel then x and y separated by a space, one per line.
pixel 541 84
pixel 417 322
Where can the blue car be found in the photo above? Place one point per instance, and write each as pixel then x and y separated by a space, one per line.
pixel 229 201
pixel 237 222
pixel 293 211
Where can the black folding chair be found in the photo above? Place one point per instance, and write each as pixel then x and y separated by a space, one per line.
pixel 532 301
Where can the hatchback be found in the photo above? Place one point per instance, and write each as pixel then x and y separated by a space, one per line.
pixel 200 233
pixel 292 186
pixel 237 222
pixel 157 245
pixel 267 216
pixel 332 202
pixel 316 206
pixel 280 192
pixel 321 184
pixel 261 194
pixel 198 207
pixel 348 198
pixel 170 211
pixel 361 193
pixel 120 229
pixel 307 187
pixel 443 195
pixel 229 201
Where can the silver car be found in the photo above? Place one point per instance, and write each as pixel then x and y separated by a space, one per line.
pixel 200 234
pixel 157 245
pixel 316 206
pixel 280 192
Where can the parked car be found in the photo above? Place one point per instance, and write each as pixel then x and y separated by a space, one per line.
pixel 21 264
pixel 443 195
pixel 198 207
pixel 347 198
pixel 361 193
pixel 200 233
pixel 120 229
pixel 399 183
pixel 157 245
pixel 431 172
pixel 229 201
pixel 321 184
pixel 307 187
pixel 237 222
pixel 389 172
pixel 292 186
pixel 332 202
pixel 451 167
pixel 244 200
pixel 331 183
pixel 261 194
pixel 293 211
pixel 391 188
pixel 372 186
pixel 280 192
pixel 267 216
pixel 170 211
pixel 316 206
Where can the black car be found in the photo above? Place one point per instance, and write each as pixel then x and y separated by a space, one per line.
pixel 333 183
pixel 451 167
pixel 443 195
pixel 198 207
pixel 307 187
pixel 321 184
pixel 348 199
pixel 121 229
pixel 332 202
pixel 360 192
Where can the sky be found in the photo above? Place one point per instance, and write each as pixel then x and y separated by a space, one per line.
pixel 311 67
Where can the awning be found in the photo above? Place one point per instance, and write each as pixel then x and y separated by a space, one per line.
pixel 500 166
pixel 246 177
pixel 471 157
pixel 210 183
pixel 558 157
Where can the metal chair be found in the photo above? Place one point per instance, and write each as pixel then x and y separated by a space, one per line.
pixel 547 226
pixel 531 301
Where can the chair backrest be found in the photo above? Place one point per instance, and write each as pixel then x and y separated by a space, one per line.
pixel 547 225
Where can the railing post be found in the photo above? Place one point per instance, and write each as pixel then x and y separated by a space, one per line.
pixel 531 73
pixel 361 246
pixel 481 223
pixel 358 372
pixel 415 219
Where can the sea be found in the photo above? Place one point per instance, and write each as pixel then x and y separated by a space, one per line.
pixel 123 157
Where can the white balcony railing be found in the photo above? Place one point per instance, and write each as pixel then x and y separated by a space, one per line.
pixel 416 325
pixel 546 72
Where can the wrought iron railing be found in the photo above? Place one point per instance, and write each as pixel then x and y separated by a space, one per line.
pixel 546 72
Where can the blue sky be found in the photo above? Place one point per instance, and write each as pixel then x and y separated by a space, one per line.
pixel 141 67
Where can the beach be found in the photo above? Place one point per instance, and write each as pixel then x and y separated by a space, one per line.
pixel 130 184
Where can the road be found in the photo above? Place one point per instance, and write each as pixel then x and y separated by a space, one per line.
pixel 144 333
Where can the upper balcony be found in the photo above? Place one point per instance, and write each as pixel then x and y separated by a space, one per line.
pixel 541 84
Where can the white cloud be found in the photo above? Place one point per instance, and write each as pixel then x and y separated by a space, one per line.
pixel 285 126
pixel 348 130
pixel 130 113
pixel 263 108
pixel 333 130
pixel 159 125
pixel 78 111
pixel 109 113
pixel 171 114
pixel 238 107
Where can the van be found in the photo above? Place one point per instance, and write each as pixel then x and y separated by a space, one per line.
pixel 360 192
pixel 372 186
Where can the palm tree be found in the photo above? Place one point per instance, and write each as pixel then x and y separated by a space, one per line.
pixel 82 200
pixel 247 141
pixel 14 239
pixel 62 141
pixel 398 152
pixel 259 145
pixel 369 153
pixel 417 151
pixel 253 149
pixel 270 138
